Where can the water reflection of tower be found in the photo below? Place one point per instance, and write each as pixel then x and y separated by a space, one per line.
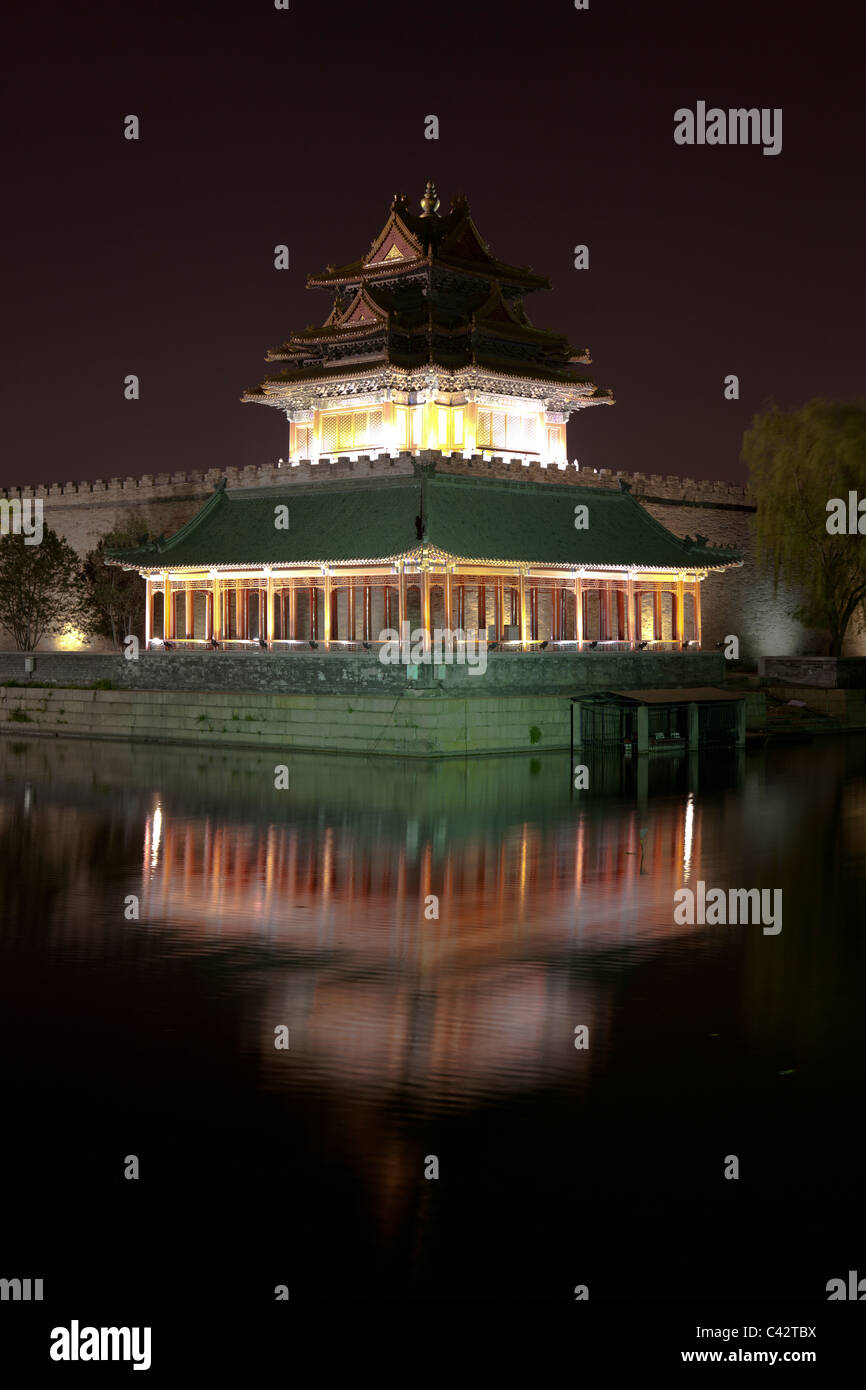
pixel 496 888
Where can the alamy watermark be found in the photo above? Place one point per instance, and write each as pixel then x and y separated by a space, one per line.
pixel 22 518
pixel 738 125
pixel 21 1290
pixel 444 647
pixel 733 906
pixel 75 1343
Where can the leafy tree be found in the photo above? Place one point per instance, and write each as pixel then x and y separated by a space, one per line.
pixel 113 598
pixel 40 590
pixel 798 461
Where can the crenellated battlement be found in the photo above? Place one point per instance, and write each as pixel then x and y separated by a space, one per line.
pixel 197 482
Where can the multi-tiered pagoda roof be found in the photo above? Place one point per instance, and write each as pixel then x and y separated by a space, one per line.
pixel 430 297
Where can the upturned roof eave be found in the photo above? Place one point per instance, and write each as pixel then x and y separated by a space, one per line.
pixel 493 366
pixel 689 563
pixel 357 271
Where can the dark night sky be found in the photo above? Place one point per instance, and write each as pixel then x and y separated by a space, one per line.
pixel 261 126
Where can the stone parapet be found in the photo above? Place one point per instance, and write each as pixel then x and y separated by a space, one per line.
pixel 160 485
pixel 524 673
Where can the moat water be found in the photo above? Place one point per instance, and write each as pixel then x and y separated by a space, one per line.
pixel 412 1036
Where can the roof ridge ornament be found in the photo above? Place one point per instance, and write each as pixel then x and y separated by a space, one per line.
pixel 430 201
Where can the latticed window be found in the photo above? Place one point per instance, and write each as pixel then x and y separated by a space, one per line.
pixel 351 429
pixel 500 429
pixel 303 440
pixel 345 433
pixel 520 432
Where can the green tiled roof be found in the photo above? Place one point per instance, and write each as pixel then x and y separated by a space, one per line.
pixel 377 519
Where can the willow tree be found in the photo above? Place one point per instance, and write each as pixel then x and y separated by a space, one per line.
pixel 801 462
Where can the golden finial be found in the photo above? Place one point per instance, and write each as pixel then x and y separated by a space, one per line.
pixel 430 201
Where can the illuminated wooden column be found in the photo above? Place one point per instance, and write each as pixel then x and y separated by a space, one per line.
pixel 148 610
pixel 188 610
pixel 425 600
pixel 449 596
pixel 350 608
pixel 470 426
pixel 389 424
pixel 314 613
pixel 521 590
pixel 430 431
pixel 167 608
pixel 327 607
pixel 367 627
pixel 629 612
pixel 680 611
pixel 216 610
pixel 500 607
pixel 578 609
pixel 657 610
pixel 402 597
pixel 268 634
pixel 697 593
pixel 386 604
pixel 293 611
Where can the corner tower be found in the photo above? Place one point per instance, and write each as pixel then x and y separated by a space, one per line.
pixel 428 346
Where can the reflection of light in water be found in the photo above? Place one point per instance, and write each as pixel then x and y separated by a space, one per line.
pixel 687 835
pixel 155 831
pixel 28 798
